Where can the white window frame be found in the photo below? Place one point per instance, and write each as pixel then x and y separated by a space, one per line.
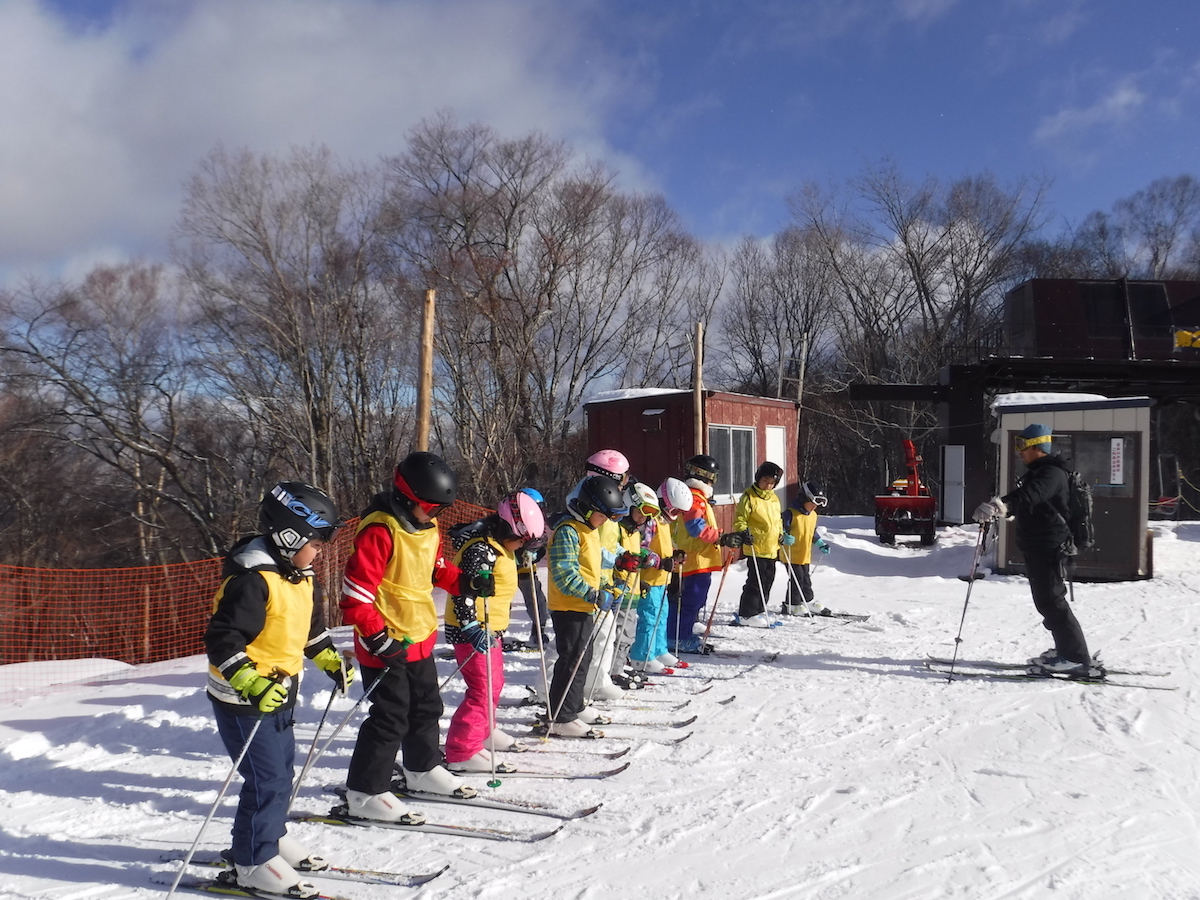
pixel 720 447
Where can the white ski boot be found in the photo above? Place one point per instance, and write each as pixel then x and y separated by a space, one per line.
pixel 589 715
pixel 576 728
pixel 481 762
pixel 504 742
pixel 275 876
pixel 759 621
pixel 299 857
pixel 608 691
pixel 438 780
pixel 383 807
pixel 670 660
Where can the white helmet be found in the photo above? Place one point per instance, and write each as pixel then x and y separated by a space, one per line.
pixel 643 496
pixel 676 496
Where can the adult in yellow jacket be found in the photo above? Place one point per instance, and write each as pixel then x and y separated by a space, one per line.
pixel 759 514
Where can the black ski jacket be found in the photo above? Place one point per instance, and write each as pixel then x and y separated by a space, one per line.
pixel 1040 505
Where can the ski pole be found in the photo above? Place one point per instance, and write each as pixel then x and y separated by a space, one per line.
pixel 345 719
pixel 712 612
pixel 762 598
pixel 597 669
pixel 979 543
pixel 799 593
pixel 275 675
pixel 308 760
pixel 537 623
pixel 494 782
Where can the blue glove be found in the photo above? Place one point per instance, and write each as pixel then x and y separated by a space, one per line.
pixel 477 637
pixel 605 601
pixel 823 546
pixel 787 539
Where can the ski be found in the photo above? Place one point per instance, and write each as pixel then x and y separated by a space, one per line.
pixel 540 724
pixel 339 816
pixel 852 617
pixel 577 776
pixel 1009 675
pixel 647 706
pixel 217 885
pixel 580 751
pixel 339 873
pixel 494 803
pixel 992 664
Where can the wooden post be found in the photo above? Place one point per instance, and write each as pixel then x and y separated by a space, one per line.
pixel 800 402
pixel 701 439
pixel 425 376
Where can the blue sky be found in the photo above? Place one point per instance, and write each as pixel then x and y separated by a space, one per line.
pixel 724 107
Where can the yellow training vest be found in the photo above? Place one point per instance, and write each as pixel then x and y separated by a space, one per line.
pixel 589 569
pixel 280 644
pixel 498 605
pixel 803 528
pixel 405 595
pixel 661 544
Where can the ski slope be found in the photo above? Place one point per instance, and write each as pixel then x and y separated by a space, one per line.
pixel 842 769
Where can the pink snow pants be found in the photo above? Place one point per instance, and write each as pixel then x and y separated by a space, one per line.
pixel 470 726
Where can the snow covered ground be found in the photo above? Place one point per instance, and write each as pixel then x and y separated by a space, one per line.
pixel 843 769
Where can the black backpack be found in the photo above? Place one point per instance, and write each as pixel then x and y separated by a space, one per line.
pixel 1079 515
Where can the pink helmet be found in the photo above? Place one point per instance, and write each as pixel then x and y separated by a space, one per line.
pixel 677 497
pixel 609 462
pixel 522 515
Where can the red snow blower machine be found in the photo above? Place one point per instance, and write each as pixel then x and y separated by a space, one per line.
pixel 908 507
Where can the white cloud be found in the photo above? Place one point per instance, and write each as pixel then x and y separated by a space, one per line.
pixel 103 125
pixel 1073 127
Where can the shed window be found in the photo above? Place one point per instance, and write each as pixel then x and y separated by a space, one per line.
pixel 733 448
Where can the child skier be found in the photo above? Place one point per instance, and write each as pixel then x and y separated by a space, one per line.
pixel 578 590
pixel 387 595
pixel 649 650
pixel 799 536
pixel 469 740
pixel 265 620
pixel 531 588
pixel 758 513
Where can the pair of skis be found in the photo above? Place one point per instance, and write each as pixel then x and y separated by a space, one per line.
pixel 219 885
pixel 1006 671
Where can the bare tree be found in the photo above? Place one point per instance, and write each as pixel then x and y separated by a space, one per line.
pixel 308 328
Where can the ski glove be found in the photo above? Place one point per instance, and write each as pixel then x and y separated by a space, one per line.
pixel 989 510
pixel 390 651
pixel 732 539
pixel 823 546
pixel 628 561
pixel 651 560
pixel 604 601
pixel 329 661
pixel 481 584
pixel 787 539
pixel 478 637
pixel 265 693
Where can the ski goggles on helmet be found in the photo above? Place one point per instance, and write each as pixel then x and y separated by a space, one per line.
pixel 705 475
pixel 1024 443
pixel 321 527
pixel 433 510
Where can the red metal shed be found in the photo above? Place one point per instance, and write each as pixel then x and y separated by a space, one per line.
pixel 655 429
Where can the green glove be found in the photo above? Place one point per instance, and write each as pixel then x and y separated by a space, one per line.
pixel 329 661
pixel 265 693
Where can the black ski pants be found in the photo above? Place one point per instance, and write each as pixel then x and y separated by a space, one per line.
pixel 760 575
pixel 405 709
pixel 1046 571
pixel 572 639
pixel 801 577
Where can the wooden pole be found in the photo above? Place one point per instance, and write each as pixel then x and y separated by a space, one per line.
pixel 425 376
pixel 698 391
pixel 800 403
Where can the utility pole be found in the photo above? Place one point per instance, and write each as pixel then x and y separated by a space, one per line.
pixel 698 390
pixel 425 376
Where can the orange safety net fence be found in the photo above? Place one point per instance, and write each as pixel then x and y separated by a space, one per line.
pixel 138 615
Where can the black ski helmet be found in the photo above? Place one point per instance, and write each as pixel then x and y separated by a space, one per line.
pixel 599 493
pixel 768 470
pixel 293 513
pixel 424 479
pixel 702 466
pixel 811 490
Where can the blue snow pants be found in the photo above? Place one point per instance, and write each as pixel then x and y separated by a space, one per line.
pixel 650 639
pixel 682 616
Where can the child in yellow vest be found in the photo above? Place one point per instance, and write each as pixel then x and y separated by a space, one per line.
pixel 799 537
pixel 477 647
pixel 758 515
pixel 265 620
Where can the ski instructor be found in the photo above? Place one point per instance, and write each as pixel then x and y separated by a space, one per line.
pixel 1040 506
